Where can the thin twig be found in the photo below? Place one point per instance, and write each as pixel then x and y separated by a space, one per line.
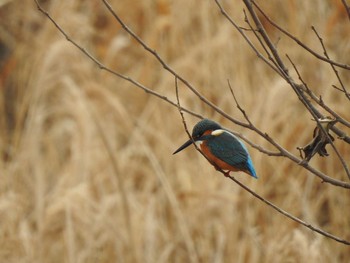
pixel 300 43
pixel 323 129
pixel 347 94
pixel 286 214
pixel 168 68
pixel 103 67
pixel 281 66
pixel 334 86
pixel 238 105
pixel 247 29
pixel 258 147
pixel 279 63
pixel 341 135
pixel 320 102
pixel 260 41
pixel 250 43
pixel 347 8
pixel 179 108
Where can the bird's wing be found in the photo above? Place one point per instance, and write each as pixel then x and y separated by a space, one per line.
pixel 229 149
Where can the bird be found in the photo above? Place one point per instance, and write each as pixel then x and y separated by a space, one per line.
pixel 221 147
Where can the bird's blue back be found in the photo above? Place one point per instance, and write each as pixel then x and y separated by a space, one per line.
pixel 228 148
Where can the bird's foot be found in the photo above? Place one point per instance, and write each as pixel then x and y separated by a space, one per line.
pixel 227 174
pixel 217 168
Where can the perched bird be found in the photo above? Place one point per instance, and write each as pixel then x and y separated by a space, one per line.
pixel 222 148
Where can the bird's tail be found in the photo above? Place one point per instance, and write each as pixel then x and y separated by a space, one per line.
pixel 250 168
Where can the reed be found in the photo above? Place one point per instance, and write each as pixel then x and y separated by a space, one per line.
pixel 86 169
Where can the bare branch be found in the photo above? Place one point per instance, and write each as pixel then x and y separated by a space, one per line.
pixel 288 215
pixel 324 131
pixel 239 29
pixel 280 65
pixel 347 8
pixel 283 69
pixel 179 108
pixel 261 42
pixel 168 68
pixel 300 43
pixel 347 94
pixel 237 104
pixel 321 103
pixel 103 67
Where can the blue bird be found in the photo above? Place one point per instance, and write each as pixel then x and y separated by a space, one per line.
pixel 222 148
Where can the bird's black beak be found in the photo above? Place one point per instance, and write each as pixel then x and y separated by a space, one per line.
pixel 185 145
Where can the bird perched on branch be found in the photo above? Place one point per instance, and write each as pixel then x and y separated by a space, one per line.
pixel 222 148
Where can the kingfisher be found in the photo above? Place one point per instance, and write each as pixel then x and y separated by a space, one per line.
pixel 222 148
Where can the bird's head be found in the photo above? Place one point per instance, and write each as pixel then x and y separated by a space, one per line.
pixel 201 131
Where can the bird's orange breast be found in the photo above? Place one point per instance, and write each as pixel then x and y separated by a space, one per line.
pixel 214 160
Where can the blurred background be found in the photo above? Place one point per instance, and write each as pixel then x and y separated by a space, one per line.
pixel 86 166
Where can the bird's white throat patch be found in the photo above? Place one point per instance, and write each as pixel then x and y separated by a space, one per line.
pixel 217 132
pixel 198 143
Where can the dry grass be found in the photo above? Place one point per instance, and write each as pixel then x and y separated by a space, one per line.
pixel 86 171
